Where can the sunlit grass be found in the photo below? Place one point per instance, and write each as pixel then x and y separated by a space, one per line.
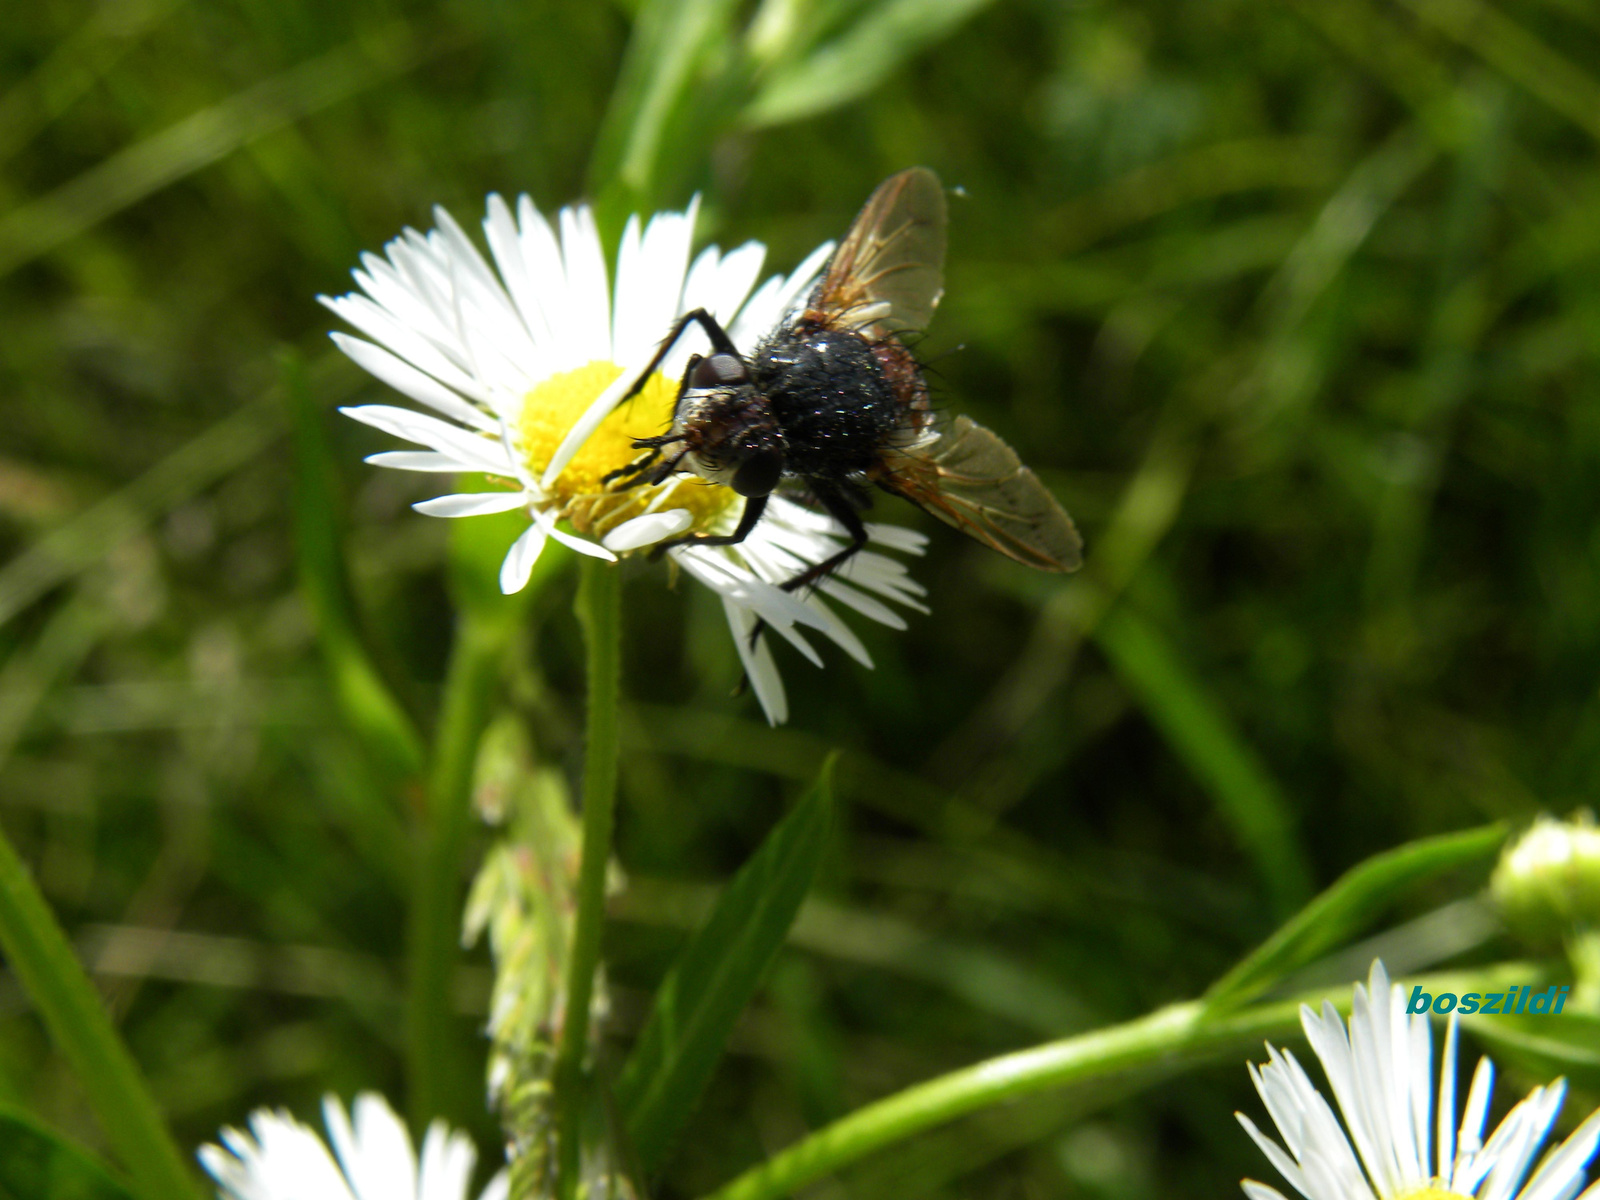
pixel 1291 304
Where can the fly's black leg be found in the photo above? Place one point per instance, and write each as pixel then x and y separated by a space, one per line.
pixel 635 472
pixel 841 510
pixel 754 506
pixel 640 472
pixel 721 343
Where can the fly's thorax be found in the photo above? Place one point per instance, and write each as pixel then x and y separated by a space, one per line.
pixel 832 398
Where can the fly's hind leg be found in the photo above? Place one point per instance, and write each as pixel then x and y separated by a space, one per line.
pixel 841 510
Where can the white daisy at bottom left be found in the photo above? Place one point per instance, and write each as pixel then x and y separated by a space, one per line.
pixel 372 1158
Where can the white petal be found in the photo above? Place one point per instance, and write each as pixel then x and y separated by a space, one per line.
pixel 518 565
pixel 648 529
pixel 373 1147
pixel 430 461
pixel 447 1160
pixel 841 633
pixel 589 324
pixel 1562 1173
pixel 649 288
pixel 471 504
pixel 759 668
pixel 413 383
pixel 284 1160
pixel 897 537
pixel 1446 1133
pixel 581 545
pixel 431 353
pixel 483 454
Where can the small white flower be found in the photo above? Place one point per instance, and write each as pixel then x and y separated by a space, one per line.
pixel 524 363
pixel 281 1159
pixel 1381 1074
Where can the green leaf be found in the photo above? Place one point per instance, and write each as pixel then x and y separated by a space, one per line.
pixel 1545 1045
pixel 37 1163
pixel 1201 733
pixel 1344 909
pixel 717 973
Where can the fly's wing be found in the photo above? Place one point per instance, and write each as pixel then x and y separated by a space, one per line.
pixel 888 273
pixel 972 480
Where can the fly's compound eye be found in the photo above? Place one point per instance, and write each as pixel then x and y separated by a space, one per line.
pixel 719 371
pixel 759 474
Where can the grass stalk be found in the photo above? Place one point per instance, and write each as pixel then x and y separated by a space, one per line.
pixel 1166 1041
pixel 433 1072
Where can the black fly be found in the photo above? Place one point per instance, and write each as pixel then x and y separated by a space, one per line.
pixel 833 398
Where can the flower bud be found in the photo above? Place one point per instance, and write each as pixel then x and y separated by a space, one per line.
pixel 1547 883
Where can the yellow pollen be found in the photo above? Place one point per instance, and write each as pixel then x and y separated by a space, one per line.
pixel 1429 1191
pixel 577 494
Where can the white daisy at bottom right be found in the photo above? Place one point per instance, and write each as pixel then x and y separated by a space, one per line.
pixel 1407 1144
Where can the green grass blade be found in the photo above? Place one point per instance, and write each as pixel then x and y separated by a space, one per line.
pixel 37 952
pixel 852 64
pixel 717 973
pixel 86 539
pixel 374 713
pixel 1345 907
pixel 1199 730
pixel 1520 55
pixel 36 1163
pixel 206 137
pixel 669 42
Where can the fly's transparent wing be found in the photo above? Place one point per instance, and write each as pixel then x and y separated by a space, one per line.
pixel 888 273
pixel 972 480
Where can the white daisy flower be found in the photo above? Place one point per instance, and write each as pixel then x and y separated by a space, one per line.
pixel 523 364
pixel 281 1159
pixel 1381 1075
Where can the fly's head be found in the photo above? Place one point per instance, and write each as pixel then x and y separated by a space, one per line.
pixel 727 428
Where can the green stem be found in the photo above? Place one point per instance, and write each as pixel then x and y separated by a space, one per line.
pixel 600 612
pixel 1165 1042
pixel 438 1085
pixel 39 955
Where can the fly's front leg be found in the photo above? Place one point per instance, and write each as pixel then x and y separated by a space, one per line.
pixel 635 472
pixel 754 506
pixel 721 343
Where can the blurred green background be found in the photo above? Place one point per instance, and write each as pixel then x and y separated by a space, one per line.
pixel 1292 303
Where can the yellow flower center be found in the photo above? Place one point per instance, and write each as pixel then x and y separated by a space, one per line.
pixel 1429 1191
pixel 578 494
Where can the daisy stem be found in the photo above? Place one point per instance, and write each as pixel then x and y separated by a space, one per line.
pixel 600 612
pixel 1160 1044
pixel 38 953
